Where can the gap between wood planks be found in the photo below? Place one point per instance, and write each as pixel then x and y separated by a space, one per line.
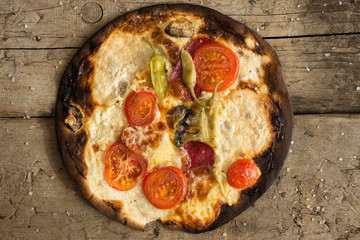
pixel 275 37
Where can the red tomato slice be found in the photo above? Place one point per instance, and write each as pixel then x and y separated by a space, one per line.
pixel 123 168
pixel 200 154
pixel 215 62
pixel 165 187
pixel 140 108
pixel 177 86
pixel 242 173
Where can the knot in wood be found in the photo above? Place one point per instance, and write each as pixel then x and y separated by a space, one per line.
pixel 91 12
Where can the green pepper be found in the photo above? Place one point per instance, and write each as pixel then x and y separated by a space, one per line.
pixel 158 71
pixel 213 97
pixel 189 74
pixel 208 117
pixel 158 75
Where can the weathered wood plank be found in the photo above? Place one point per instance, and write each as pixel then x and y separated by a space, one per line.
pixel 322 75
pixel 30 80
pixel 65 23
pixel 317 195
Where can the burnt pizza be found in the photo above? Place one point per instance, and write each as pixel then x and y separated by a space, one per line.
pixel 175 113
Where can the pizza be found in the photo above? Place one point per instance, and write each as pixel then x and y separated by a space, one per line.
pixel 175 113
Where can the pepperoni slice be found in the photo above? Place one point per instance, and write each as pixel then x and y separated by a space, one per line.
pixel 200 154
pixel 177 86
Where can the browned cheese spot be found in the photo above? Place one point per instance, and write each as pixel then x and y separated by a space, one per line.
pixel 95 147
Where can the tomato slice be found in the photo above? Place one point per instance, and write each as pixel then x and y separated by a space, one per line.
pixel 215 62
pixel 200 154
pixel 242 173
pixel 140 108
pixel 123 168
pixel 165 187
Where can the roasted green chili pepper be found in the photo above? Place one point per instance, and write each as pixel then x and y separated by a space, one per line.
pixel 158 71
pixel 208 116
pixel 213 97
pixel 189 74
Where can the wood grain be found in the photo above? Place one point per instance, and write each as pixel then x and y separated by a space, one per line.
pixel 321 73
pixel 316 196
pixel 66 23
pixel 30 80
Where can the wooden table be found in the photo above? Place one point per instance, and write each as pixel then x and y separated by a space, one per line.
pixel 316 196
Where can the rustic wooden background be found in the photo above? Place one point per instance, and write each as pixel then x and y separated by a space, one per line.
pixel 316 196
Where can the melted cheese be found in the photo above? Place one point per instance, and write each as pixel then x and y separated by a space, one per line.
pixel 228 194
pixel 163 155
pixel 251 67
pixel 192 211
pixel 101 127
pixel 241 127
pixel 118 60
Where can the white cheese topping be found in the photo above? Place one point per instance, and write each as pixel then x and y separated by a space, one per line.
pixel 251 67
pixel 118 60
pixel 243 127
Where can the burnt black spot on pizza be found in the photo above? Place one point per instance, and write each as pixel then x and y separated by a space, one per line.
pixel 217 28
pixel 180 28
pixel 265 160
pixel 211 28
pixel 75 150
pixel 278 122
pixel 252 191
pixel 76 88
pixel 258 50
pixel 74 119
pixel 141 20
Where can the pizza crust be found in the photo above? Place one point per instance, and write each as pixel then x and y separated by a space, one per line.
pixel 75 90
